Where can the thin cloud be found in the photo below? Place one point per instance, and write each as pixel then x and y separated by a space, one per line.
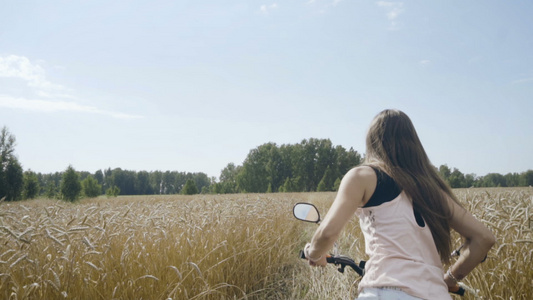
pixel 394 9
pixel 329 3
pixel 267 8
pixel 13 66
pixel 425 62
pixel 48 93
pixel 44 94
pixel 48 106
pixel 524 80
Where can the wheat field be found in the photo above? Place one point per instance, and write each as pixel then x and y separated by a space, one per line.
pixel 219 247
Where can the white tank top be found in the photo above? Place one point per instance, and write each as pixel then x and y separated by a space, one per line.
pixel 402 254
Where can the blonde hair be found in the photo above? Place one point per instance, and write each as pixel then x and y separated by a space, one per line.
pixel 392 145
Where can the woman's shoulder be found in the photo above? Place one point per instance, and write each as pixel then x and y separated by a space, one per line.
pixel 363 177
pixel 362 172
pixel 357 186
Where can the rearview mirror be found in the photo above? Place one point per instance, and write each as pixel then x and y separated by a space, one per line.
pixel 306 212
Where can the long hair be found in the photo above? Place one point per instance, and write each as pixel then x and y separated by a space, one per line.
pixel 392 145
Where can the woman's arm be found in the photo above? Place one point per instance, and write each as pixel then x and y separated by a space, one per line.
pixel 478 241
pixel 356 188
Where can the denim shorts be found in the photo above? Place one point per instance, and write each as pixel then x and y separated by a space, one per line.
pixel 385 293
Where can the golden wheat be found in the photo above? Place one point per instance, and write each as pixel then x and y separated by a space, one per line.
pixel 218 247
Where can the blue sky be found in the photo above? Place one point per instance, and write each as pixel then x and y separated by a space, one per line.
pixel 194 85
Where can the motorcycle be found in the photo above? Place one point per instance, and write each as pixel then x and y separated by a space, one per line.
pixel 307 212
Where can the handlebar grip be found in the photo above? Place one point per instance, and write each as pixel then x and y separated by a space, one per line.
pixel 458 290
pixel 329 258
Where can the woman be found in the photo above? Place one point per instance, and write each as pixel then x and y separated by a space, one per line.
pixel 406 211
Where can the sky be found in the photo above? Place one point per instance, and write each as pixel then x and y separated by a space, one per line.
pixel 191 86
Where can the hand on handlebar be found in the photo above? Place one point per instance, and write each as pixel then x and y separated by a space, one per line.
pixel 321 261
pixel 451 283
pixel 457 289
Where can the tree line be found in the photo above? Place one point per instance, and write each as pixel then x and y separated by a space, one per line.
pixel 113 182
pixel 311 165
pixel 456 179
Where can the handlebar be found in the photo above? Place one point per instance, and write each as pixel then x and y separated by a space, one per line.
pixel 309 213
pixel 343 261
pixel 458 290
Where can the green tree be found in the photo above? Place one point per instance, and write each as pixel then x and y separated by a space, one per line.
pixel 11 175
pixel 108 179
pixel 328 180
pixel 168 183
pixel 325 163
pixel 51 190
pixel 292 168
pixel 90 187
pixel 292 185
pixel 494 180
pixel 512 179
pixel 306 169
pixel 190 188
pixel 445 172
pixel 254 176
pixel 286 187
pixel 337 184
pixel 70 185
pixel 456 179
pixel 99 176
pixel 124 180
pixel 13 180
pixel 269 189
pixel 526 178
pixel 142 184
pixel 346 160
pixel 228 179
pixel 470 180
pixel 321 186
pixel 202 181
pixel 31 186
pixel 113 191
pixel 274 167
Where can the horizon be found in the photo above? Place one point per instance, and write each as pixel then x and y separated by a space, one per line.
pixel 452 168
pixel 194 86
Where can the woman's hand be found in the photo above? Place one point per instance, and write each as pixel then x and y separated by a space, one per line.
pixel 451 282
pixel 356 188
pixel 478 241
pixel 314 261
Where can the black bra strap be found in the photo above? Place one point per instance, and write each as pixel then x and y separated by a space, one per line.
pixel 386 189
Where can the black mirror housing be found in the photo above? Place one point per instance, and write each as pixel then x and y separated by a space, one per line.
pixel 306 212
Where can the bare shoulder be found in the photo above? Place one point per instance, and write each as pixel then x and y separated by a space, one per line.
pixel 360 181
pixel 361 174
